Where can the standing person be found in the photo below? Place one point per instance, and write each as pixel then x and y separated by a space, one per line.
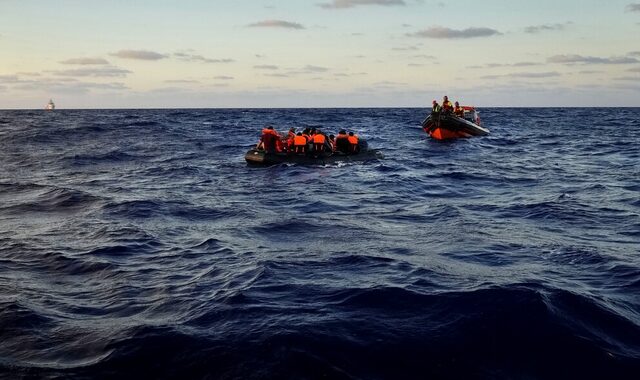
pixel 435 108
pixel 269 139
pixel 447 107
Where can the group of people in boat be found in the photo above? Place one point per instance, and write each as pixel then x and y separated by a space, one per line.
pixel 447 108
pixel 308 141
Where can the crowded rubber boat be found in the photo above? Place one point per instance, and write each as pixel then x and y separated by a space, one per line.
pixel 451 121
pixel 309 147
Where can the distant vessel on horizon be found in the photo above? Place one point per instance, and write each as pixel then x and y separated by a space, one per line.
pixel 50 106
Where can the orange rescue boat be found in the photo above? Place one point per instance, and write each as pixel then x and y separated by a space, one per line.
pixel 444 126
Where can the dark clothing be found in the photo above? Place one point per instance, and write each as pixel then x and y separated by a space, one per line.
pixel 342 144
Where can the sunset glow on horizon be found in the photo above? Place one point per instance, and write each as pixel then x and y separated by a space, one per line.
pixel 322 53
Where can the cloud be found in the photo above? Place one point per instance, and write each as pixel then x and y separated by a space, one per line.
pixel 634 53
pixel 67 85
pixel 98 72
pixel 343 4
pixel 633 7
pixel 529 75
pixel 276 24
pixel 277 75
pixel 85 61
pixel 405 48
pixel 572 59
pixel 185 81
pixel 266 67
pixel 635 70
pixel 223 77
pixel 440 32
pixel 314 69
pixel 144 55
pixel 425 56
pixel 544 28
pixel 495 65
pixel 548 74
pixel 198 58
pixel 628 78
pixel 9 79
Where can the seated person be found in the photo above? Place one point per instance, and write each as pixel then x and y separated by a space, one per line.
pixel 458 111
pixel 300 143
pixel 318 139
pixel 342 142
pixel 353 143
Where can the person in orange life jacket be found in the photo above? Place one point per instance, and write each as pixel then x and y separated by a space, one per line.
pixel 458 111
pixel 290 136
pixel 300 143
pixel 353 143
pixel 319 140
pixel 269 139
pixel 342 142
pixel 447 107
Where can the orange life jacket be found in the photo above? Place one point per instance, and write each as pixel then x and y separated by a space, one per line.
pixel 353 140
pixel 318 138
pixel 299 141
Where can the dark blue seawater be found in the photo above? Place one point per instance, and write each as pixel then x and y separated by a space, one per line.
pixel 138 244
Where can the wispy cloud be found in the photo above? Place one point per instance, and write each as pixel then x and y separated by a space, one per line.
pixel 343 4
pixel 96 72
pixel 266 67
pixel 496 65
pixel 223 77
pixel 440 32
pixel 199 58
pixel 425 56
pixel 405 48
pixel 533 29
pixel 5 79
pixel 277 75
pixel 85 61
pixel 528 75
pixel 635 70
pixel 572 59
pixel 67 85
pixel 276 24
pixel 314 69
pixel 634 7
pixel 184 81
pixel 144 55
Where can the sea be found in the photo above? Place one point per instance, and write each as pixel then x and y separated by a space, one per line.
pixel 139 244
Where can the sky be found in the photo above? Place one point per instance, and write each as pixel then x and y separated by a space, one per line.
pixel 318 53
